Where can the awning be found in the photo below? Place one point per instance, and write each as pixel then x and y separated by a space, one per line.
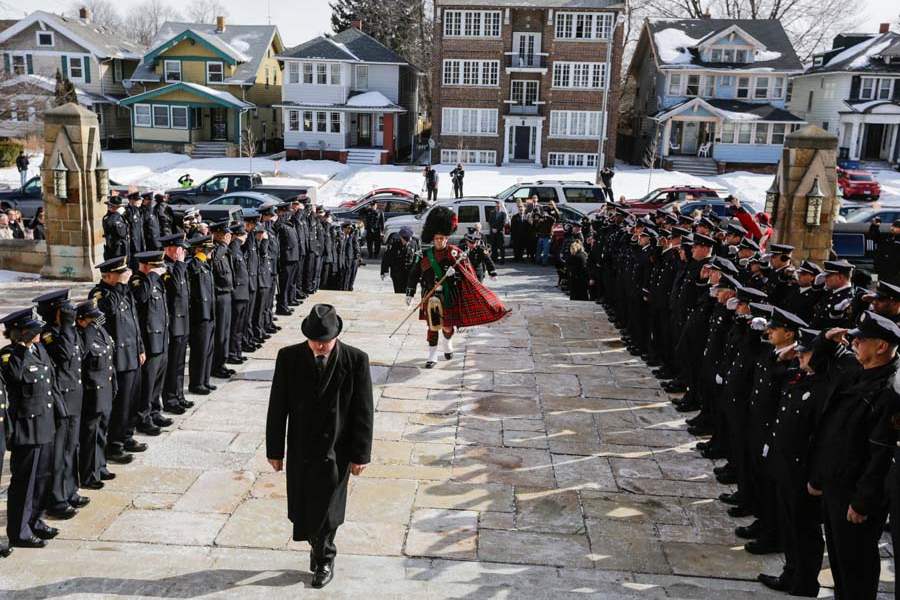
pixel 206 94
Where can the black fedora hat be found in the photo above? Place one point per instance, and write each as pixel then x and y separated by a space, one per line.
pixel 322 323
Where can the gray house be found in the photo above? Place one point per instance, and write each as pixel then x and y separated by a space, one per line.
pixel 93 58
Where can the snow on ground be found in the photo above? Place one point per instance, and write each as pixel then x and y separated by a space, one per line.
pixel 16 276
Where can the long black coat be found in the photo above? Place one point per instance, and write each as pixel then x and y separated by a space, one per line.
pixel 328 424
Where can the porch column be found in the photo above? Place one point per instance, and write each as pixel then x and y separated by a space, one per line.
pixel 538 131
pixel 854 141
pixel 667 133
pixel 506 141
pixel 388 135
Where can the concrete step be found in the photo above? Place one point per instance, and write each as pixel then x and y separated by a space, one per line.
pixel 364 156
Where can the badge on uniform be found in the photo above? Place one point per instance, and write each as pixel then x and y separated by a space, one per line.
pixel 32 369
pixel 48 337
pixel 805 396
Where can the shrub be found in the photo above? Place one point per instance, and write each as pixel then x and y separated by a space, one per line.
pixel 9 151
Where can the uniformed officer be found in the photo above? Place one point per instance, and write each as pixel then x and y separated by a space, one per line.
pixel 782 275
pixel 63 345
pixel 134 218
pixel 164 214
pixel 316 216
pixel 887 251
pixel 223 281
pixel 263 301
pixel 202 316
pixel 178 297
pixel 152 227
pixel 250 251
pixel 300 222
pixel 4 433
pixel 269 218
pixel 240 295
pixel 149 292
pixel 885 301
pixel 353 256
pixel 288 259
pixel 835 308
pixel 114 299
pixel 26 370
pixel 803 294
pixel 115 229
pixel 99 377
pixel 478 257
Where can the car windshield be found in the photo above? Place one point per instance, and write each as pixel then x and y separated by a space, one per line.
pixel 508 191
pixel 861 177
pixel 862 216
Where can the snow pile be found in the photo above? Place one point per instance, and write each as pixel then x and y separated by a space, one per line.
pixel 220 94
pixel 672 45
pixel 766 55
pixel 368 99
pixel 863 59
pixel 730 115
pixel 848 52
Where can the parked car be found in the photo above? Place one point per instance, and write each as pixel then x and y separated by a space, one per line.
pixel 469 211
pixel 887 214
pixel 393 206
pixel 385 192
pixel 218 209
pixel 857 183
pixel 849 240
pixel 585 195
pixel 224 183
pixel 661 197
pixel 26 199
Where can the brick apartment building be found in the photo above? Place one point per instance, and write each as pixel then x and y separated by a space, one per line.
pixel 523 81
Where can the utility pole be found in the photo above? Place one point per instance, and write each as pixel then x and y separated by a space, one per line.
pixel 604 118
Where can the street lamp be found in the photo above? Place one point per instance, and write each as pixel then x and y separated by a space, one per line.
pixel 814 200
pixel 604 118
pixel 102 173
pixel 60 185
pixel 771 200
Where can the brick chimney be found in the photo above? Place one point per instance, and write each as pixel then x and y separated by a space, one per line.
pixel 356 24
pixel 884 28
pixel 220 24
pixel 84 13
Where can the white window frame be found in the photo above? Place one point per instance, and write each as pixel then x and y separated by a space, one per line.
pixel 321 73
pixel 725 81
pixel 143 120
pixel 23 65
pixel 166 71
pixel 221 66
pixel 728 131
pixel 165 113
pixel 575 160
pixel 871 90
pixel 708 86
pixel 676 81
pixel 357 69
pixel 469 157
pixel 715 55
pixel 748 87
pixel 473 23
pixel 334 74
pixel 332 121
pixel 777 87
pixel 309 75
pixel 71 61
pixel 575 124
pixel 37 39
pixel 784 129
pixel 321 122
pixel 565 75
pixel 118 72
pixel 293 72
pixel 471 73
pixel 881 88
pixel 765 89
pixel 583 26
pixel 293 120
pixel 696 86
pixel 187 117
pixel 469 121
pixel 309 124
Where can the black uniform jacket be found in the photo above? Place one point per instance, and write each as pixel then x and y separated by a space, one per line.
pixel 97 370
pixel 64 348
pixel 200 278
pixel 149 292
pixel 29 382
pixel 329 425
pixel 178 296
pixel 121 323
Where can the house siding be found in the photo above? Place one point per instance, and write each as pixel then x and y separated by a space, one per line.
pixel 829 92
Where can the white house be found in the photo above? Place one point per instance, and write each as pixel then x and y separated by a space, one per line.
pixel 853 91
pixel 347 97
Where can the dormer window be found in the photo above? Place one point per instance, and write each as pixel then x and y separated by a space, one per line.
pixel 45 39
pixel 172 69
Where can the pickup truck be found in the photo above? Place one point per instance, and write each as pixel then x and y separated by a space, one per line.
pixel 30 198
pixel 224 183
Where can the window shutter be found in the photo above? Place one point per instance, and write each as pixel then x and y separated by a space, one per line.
pixel 854 86
pixel 87 69
pixel 7 62
pixel 64 62
pixel 29 65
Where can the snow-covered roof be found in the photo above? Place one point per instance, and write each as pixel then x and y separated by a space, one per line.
pixel 863 56
pixel 869 106
pixel 731 110
pixel 245 45
pixel 48 84
pixel 677 43
pixel 350 45
pixel 358 103
pixel 101 41
pixel 220 96
pixel 369 99
pixel 535 3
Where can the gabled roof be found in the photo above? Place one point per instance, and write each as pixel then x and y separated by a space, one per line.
pixel 730 110
pixel 868 106
pixel 102 42
pixel 676 43
pixel 216 96
pixel 859 57
pixel 49 85
pixel 351 45
pixel 536 3
pixel 243 45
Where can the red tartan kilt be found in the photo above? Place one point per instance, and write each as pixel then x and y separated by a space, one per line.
pixel 475 304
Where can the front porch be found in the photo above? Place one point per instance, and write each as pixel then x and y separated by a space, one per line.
pixel 522 139
pixel 870 131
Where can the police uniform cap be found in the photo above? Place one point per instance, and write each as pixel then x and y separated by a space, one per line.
pixel 650 233
pixel 220 227
pixel 749 244
pixel 874 326
pixel 146 195
pixel 406 233
pixel 688 240
pixel 134 196
pixel 113 265
pixel 266 209
pixel 173 239
pixel 150 257
pixel 838 266
pixel 685 220
pixel 259 228
pixel 806 339
pixel 87 310
pixel 707 222
pixel 703 240
pixel 781 248
pixel 887 290
pixel 807 266
pixel 672 218
pixel 761 309
pixel 676 231
pixel 249 214
pixel 472 237
pixel 747 294
pixel 159 196
pixel 54 298
pixel 237 228
pixel 727 282
pixel 786 320
pixel 724 265
pixel 199 240
pixel 735 229
pixel 25 319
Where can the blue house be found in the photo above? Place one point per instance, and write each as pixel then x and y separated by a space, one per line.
pixel 710 94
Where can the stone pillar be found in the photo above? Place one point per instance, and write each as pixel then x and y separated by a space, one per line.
pixel 809 153
pixel 74 226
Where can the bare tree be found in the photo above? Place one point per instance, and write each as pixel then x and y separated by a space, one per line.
pixel 145 20
pixel 248 145
pixel 103 12
pixel 205 11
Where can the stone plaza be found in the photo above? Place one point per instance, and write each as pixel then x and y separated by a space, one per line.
pixel 543 461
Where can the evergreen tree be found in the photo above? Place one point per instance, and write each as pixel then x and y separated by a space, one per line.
pixel 64 92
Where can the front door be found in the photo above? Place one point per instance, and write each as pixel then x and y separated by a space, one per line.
pixel 690 135
pixel 874 133
pixel 219 124
pixel 364 129
pixel 522 147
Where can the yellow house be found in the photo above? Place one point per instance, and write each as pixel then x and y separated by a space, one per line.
pixel 207 90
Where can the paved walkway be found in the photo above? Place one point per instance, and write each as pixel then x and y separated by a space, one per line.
pixel 541 462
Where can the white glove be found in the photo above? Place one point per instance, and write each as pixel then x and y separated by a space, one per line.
pixel 842 305
pixel 409 300
pixel 732 250
pixel 719 380
pixel 731 304
pixel 450 272
pixel 383 276
pixel 819 280
pixel 758 324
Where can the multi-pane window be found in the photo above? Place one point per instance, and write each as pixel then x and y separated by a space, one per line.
pixel 322 122
pixel 571 159
pixel 215 72
pixel 777 87
pixel 142 115
pixel 575 123
pixel 709 86
pixel 867 88
pixel 160 116
pixel 740 56
pixel 579 75
pixel 743 87
pixel 778 133
pixel 744 133
pixel 726 80
pixel 884 89
pixel 322 74
pixel 307 73
pixel 469 157
pixel 728 55
pixel 315 121
pixel 307 120
pixel 313 73
pixel 471 23
pixel 693 85
pixel 469 121
pixel 761 90
pixel 179 117
pixel 361 77
pixel 45 39
pixel 172 70
pixel 293 120
pixel 583 26
pixel 727 132
pixel 472 72
pixel 335 122
pixel 761 136
pixel 755 133
pixel 674 84
pixel 715 55
pixel 335 74
pixel 19 65
pixel 76 67
pixel 293 72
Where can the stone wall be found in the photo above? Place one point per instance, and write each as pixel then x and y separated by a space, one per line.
pixel 26 256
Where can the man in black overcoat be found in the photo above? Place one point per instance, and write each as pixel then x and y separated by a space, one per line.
pixel 329 431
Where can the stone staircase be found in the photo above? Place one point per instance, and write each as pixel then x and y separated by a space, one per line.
pixel 694 165
pixel 364 156
pixel 210 150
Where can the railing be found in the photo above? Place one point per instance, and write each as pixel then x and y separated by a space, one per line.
pixel 537 60
pixel 516 108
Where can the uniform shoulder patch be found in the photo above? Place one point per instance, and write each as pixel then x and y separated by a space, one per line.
pixel 97 295
pixel 47 337
pixel 4 357
pixel 135 282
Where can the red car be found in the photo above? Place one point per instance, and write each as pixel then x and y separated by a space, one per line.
pixel 378 192
pixel 661 197
pixel 858 184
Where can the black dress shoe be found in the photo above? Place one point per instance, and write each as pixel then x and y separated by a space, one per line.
pixel 92 485
pixel 283 313
pixel 230 371
pixel 221 374
pixel 233 361
pixel 739 511
pixel 120 458
pixel 32 542
pixel 211 387
pixel 761 546
pixel 47 533
pixel 773 583
pixel 174 409
pixel 161 421
pixel 734 499
pixel 5 551
pixel 107 475
pixel 135 446
pixel 200 391
pixel 674 387
pixel 701 446
pixel 749 532
pixel 323 575
pixel 726 468
pixel 700 430
pixel 63 514
pixel 78 501
pixel 727 478
pixel 147 429
pixel 430 364
pixel 186 404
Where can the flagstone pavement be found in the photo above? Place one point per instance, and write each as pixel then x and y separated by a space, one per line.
pixel 543 461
